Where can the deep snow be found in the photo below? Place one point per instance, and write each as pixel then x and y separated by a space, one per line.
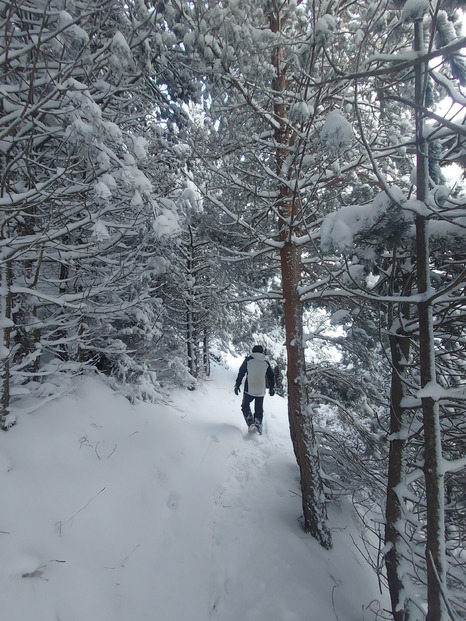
pixel 120 512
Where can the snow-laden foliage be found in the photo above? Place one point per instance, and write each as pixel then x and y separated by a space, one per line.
pixel 82 208
pixel 390 256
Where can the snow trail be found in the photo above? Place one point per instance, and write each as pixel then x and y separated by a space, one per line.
pixel 262 565
pixel 242 491
pixel 114 512
pixel 245 554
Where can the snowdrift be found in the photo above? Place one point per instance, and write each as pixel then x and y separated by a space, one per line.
pixel 120 512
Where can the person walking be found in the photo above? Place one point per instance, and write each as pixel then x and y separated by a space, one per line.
pixel 257 370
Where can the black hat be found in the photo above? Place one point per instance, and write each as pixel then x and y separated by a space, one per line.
pixel 257 349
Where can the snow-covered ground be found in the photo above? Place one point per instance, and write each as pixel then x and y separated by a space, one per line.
pixel 114 512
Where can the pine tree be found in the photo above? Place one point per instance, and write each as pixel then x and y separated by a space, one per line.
pixel 83 111
pixel 405 237
pixel 263 132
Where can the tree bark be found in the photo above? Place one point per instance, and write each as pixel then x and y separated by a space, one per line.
pixel 206 352
pixel 191 332
pixel 399 346
pixel 300 419
pixel 434 479
pixel 6 275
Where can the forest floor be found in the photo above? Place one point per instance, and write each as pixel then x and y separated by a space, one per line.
pixel 120 512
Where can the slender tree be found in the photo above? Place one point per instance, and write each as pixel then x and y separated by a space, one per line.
pixel 412 293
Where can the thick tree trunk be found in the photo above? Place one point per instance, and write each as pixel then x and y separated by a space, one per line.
pixel 433 471
pixel 301 424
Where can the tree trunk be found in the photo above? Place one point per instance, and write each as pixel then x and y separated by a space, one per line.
pixel 434 479
pixel 206 353
pixel 300 419
pixel 192 353
pixel 5 329
pixel 192 345
pixel 399 345
pixel 301 424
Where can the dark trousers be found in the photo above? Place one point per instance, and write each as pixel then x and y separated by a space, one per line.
pixel 258 407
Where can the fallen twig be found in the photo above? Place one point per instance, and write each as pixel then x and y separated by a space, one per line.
pixel 82 508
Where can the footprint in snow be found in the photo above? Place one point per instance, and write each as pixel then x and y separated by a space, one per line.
pixel 173 501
